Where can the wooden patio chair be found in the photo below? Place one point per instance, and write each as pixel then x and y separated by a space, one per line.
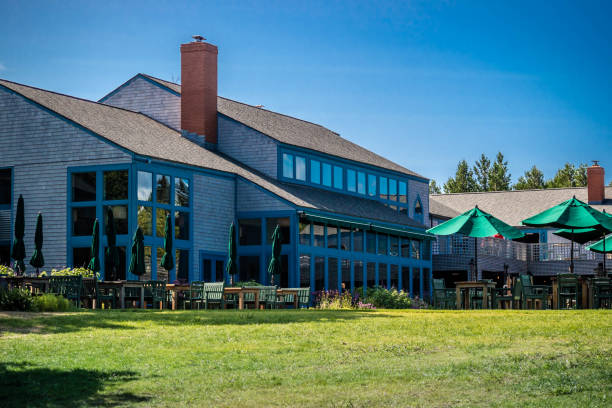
pixel 195 295
pixel 602 293
pixel 155 292
pixel 568 292
pixel 501 296
pixel 443 297
pixel 213 294
pixel 268 297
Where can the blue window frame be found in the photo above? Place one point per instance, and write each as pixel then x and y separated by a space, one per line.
pixel 351 181
pixel 315 171
pixel 327 174
pixel 338 177
pixel 371 185
pixel 361 183
pixel 392 189
pixel 300 168
pixel 287 165
pixel 384 190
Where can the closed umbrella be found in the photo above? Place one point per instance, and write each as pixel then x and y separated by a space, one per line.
pixel 167 261
pixel 478 224
pixel 274 268
pixel 38 260
pixel 18 252
pixel 137 261
pixel 111 255
pixel 94 263
pixel 571 215
pixel 230 266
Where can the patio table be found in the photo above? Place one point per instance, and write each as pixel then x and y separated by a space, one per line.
pixel 241 292
pixel 294 292
pixel 174 291
pixel 586 302
pixel 121 285
pixel 485 286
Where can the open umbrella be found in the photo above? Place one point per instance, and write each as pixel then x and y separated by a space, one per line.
pixel 478 224
pixel 572 215
pixel 111 255
pixel 603 246
pixel 94 263
pixel 137 261
pixel 167 261
pixel 274 268
pixel 18 252
pixel 38 260
pixel 230 266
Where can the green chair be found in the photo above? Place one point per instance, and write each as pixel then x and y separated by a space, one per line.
pixel 195 295
pixel 303 297
pixel 443 297
pixel 501 296
pixel 156 293
pixel 213 294
pixel 477 296
pixel 105 295
pixel 268 297
pixel 602 293
pixel 533 293
pixel 71 287
pixel 568 292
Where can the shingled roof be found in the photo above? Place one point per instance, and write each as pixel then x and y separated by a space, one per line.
pixel 296 132
pixel 147 137
pixel 510 206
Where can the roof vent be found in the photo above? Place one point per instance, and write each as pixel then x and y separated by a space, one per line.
pixel 198 38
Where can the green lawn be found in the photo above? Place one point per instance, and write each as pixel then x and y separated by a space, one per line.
pixel 307 358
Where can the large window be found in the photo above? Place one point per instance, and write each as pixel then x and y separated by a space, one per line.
pixel 351 180
pixel 345 239
pixel 382 275
pixel 249 268
pixel 332 274
pixel 287 165
pixel 249 231
pixel 300 168
pixel 371 274
pixel 358 275
pixel 394 276
pixel 327 174
pixel 304 271
pixel 285 229
pixel 358 240
pixel 416 282
pixel 318 234
pixel 371 242
pixel 361 183
pixel 345 274
pixel 84 186
pixel 5 187
pixel 332 237
pixel 319 283
pixel 338 177
pixel 315 171
pixel 371 185
pixel 305 228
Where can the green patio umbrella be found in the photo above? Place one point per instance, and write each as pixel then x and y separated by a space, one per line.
pixel 18 252
pixel 38 260
pixel 603 246
pixel 571 215
pixel 230 266
pixel 167 261
pixel 111 255
pixel 94 263
pixel 137 261
pixel 478 224
pixel 274 268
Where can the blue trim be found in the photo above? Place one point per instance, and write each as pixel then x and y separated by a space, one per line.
pixel 129 81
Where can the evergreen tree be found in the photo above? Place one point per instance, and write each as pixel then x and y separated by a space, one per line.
pixel 482 169
pixel 433 187
pixel 463 181
pixel 499 176
pixel 569 176
pixel 533 179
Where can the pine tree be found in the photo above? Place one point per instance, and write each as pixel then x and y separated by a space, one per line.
pixel 499 177
pixel 433 187
pixel 569 176
pixel 463 182
pixel 533 179
pixel 482 168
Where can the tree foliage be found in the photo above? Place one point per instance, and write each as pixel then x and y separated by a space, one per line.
pixel 463 181
pixel 569 176
pixel 499 176
pixel 482 170
pixel 433 187
pixel 532 179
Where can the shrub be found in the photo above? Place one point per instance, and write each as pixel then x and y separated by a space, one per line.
pixel 334 300
pixel 51 303
pixel 388 298
pixel 6 270
pixel 15 299
pixel 246 283
pixel 84 272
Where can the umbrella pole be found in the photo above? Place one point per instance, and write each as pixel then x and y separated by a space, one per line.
pixel 572 254
pixel 475 259
pixel 605 273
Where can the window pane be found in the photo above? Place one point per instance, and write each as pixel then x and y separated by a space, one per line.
pixel 345 274
pixel 148 263
pixel 285 229
pixel 371 185
pixel 145 186
pixel 318 234
pixel 315 172
pixel 405 248
pixel 319 283
pixel 5 254
pixel 382 244
pixel 371 242
pixel 84 186
pixel 327 174
pixel 332 236
pixel 394 276
pixel 332 273
pixel 83 220
pixel 219 271
pixel 371 274
pixel 403 192
pixel 80 257
pixel 249 268
pixel 162 273
pixel 145 219
pixel 287 165
pixel 207 270
pixel 305 228
pixel 393 245
pixel 416 249
pixel 358 240
pixel 416 282
pixel 392 190
pixel 418 210
pixel 338 177
pixel 426 250
pixel 160 221
pixel 361 183
pixel 345 239
pixel 182 265
pixel 249 231
pixel 426 284
pixel 300 168
pixel 382 275
pixel 383 188
pixel 358 275
pixel 406 279
pixel 162 189
pixel 116 185
pixel 181 192
pixel 304 271
pixel 117 272
pixel 351 182
pixel 5 186
pixel 181 225
pixel 120 214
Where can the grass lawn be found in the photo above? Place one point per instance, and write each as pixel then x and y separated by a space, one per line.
pixel 307 358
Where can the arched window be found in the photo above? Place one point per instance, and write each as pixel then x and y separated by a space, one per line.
pixel 418 209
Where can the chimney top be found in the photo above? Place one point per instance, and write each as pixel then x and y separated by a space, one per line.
pixel 596 191
pixel 198 38
pixel 595 162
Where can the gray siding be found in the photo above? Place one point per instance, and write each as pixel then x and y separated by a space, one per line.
pixel 213 212
pixel 40 147
pixel 251 198
pixel 142 96
pixel 248 146
pixel 420 189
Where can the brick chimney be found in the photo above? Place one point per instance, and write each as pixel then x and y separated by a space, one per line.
pixel 199 92
pixel 595 183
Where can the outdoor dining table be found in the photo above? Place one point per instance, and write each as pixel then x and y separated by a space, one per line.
pixel 176 288
pixel 484 285
pixel 31 282
pixel 121 285
pixel 587 295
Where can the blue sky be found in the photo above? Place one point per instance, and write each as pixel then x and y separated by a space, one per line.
pixel 423 83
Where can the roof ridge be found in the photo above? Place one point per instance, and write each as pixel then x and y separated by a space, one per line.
pixel 507 191
pixel 157 79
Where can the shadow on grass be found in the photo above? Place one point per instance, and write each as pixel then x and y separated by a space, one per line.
pixel 25 385
pixel 133 319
